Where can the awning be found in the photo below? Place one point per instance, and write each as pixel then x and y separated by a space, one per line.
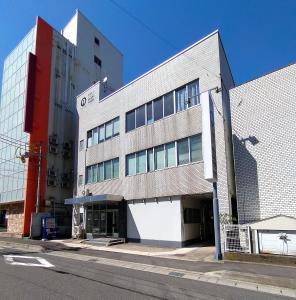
pixel 94 199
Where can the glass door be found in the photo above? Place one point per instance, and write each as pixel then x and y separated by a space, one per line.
pixel 112 223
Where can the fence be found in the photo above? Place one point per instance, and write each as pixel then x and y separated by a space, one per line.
pixel 237 238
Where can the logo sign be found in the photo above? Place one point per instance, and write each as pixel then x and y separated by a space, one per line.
pixel 208 138
pixel 83 101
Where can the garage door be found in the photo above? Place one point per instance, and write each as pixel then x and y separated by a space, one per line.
pixel 270 242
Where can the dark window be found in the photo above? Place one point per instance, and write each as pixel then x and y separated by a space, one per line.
pixel 183 152
pixel 149 113
pixel 193 94
pixel 158 109
pixel 181 99
pixel 150 160
pixel 107 170
pixel 97 41
pixel 108 130
pixel 140 116
pixel 130 164
pixel 81 145
pixel 195 148
pixel 191 215
pixel 168 104
pixel 89 138
pixel 97 61
pixel 130 121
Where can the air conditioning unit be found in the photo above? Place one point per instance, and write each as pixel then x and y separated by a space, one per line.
pixel 51 173
pixel 67 145
pixel 53 140
pixel 53 149
pixel 51 182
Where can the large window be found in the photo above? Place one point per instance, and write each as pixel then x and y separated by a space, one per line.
pixel 175 101
pixel 179 152
pixel 140 116
pixel 104 132
pixel 183 152
pixel 103 171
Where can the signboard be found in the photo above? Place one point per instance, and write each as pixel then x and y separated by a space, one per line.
pixel 208 138
pixel 90 95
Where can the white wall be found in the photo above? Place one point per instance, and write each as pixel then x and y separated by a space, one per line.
pixel 160 221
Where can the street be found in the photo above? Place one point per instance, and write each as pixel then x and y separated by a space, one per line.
pixel 70 278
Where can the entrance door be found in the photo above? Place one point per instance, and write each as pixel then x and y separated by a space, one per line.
pixel 112 223
pixel 3 220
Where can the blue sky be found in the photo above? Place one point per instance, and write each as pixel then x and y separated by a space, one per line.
pixel 258 36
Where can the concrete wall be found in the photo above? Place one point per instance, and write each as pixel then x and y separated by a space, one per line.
pixel 263 120
pixel 155 222
pixel 15 215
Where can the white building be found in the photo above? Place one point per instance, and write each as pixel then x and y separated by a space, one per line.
pixel 141 151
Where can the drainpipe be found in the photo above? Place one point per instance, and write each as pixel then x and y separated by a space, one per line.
pixel 218 253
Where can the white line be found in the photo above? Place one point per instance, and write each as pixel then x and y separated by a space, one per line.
pixel 9 259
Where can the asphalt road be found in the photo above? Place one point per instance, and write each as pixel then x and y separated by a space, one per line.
pixel 73 279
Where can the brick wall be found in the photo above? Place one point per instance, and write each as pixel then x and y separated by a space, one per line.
pixel 264 130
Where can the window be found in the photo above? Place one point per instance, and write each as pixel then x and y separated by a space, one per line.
pixel 159 157
pixel 94 171
pixel 107 170
pixel 183 152
pixel 80 180
pixel 168 104
pixel 88 175
pixel 141 162
pixel 115 167
pixel 100 172
pixel 149 113
pixel 101 133
pixel 181 99
pixel 116 126
pixel 150 160
pixel 108 130
pixel 89 138
pixel 158 109
pixel 130 121
pixel 97 41
pixel 195 148
pixel 140 116
pixel 131 164
pixel 170 155
pixel 97 61
pixel 193 94
pixel 95 136
pixel 191 215
pixel 81 145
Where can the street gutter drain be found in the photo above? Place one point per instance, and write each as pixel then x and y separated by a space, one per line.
pixel 176 274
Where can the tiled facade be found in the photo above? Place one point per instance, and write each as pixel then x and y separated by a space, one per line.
pixel 264 130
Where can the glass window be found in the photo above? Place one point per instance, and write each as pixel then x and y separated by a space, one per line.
pixel 150 160
pixel 80 180
pixel 88 175
pixel 158 109
pixel 181 99
pixel 183 152
pixel 100 172
pixel 149 113
pixel 107 170
pixel 159 157
pixel 130 164
pixel 115 166
pixel 81 145
pixel 95 136
pixel 196 148
pixel 170 155
pixel 116 126
pixel 101 133
pixel 108 130
pixel 168 104
pixel 141 162
pixel 193 94
pixel 130 121
pixel 140 116
pixel 89 138
pixel 94 172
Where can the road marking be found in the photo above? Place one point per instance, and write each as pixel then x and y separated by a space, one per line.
pixel 10 259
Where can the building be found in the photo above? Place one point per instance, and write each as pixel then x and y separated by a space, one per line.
pixel 141 155
pixel 41 79
pixel 263 122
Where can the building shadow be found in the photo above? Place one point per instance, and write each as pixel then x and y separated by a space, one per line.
pixel 246 176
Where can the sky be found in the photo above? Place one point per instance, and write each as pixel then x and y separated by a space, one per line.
pixel 258 36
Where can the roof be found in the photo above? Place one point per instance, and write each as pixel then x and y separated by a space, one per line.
pixel 280 222
pixel 94 199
